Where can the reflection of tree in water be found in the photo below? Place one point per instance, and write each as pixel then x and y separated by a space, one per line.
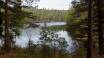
pixel 74 46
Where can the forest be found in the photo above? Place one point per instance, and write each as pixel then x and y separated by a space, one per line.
pixel 47 14
pixel 29 32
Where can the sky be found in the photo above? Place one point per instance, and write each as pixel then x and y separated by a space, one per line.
pixel 55 4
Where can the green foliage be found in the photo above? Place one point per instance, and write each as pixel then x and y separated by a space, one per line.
pixel 37 52
pixel 80 53
pixel 47 15
pixel 49 37
pixel 62 43
pixel 52 43
pixel 77 26
pixel 77 23
pixel 15 21
pixel 57 28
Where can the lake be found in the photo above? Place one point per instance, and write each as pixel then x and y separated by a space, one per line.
pixel 34 35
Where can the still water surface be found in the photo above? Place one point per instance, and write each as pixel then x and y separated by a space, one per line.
pixel 34 35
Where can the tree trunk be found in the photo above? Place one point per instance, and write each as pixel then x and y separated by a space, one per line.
pixel 89 41
pixel 7 43
pixel 100 25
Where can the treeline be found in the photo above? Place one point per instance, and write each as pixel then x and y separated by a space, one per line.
pixel 47 14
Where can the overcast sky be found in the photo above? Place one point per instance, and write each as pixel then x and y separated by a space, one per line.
pixel 55 4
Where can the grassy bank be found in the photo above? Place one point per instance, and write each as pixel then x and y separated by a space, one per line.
pixel 34 53
pixel 57 28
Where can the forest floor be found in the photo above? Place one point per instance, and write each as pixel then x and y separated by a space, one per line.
pixel 96 55
pixel 8 55
pixel 13 54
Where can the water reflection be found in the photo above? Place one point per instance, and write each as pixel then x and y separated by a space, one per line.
pixel 34 35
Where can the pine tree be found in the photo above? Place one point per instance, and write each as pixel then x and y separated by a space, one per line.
pixel 13 18
pixel 100 15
